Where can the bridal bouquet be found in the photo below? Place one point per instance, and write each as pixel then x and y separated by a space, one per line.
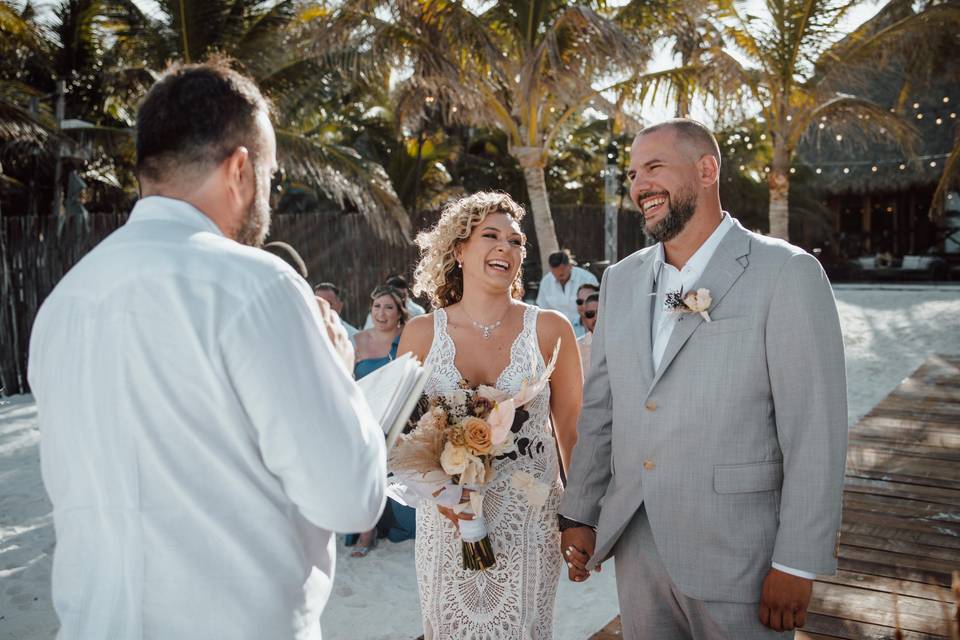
pixel 455 440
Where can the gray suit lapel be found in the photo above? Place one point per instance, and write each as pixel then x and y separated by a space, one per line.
pixel 724 269
pixel 642 315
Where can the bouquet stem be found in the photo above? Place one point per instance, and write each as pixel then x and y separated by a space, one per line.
pixel 477 548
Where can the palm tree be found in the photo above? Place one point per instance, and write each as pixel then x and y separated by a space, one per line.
pixel 524 67
pixel 794 94
pixel 300 62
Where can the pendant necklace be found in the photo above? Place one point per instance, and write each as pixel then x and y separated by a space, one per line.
pixel 486 329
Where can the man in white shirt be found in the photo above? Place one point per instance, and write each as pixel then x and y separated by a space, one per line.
pixel 558 288
pixel 331 293
pixel 400 284
pixel 200 440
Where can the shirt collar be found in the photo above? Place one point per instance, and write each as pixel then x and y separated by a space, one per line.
pixel 699 260
pixel 172 210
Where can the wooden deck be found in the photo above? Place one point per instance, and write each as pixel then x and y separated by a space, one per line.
pixel 900 540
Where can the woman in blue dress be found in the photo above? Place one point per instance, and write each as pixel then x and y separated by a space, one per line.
pixel 375 347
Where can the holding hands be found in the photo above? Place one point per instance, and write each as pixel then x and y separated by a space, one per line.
pixel 577 545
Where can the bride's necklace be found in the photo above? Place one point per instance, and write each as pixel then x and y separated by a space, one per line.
pixel 486 329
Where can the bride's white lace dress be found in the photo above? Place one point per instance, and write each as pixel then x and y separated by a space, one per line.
pixel 514 599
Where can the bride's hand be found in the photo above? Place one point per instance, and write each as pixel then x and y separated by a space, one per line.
pixel 453 516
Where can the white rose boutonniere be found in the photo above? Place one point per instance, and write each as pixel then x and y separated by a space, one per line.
pixel 698 302
pixel 694 302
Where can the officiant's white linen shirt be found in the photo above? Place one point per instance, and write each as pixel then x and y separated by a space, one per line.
pixel 199 438
pixel 671 279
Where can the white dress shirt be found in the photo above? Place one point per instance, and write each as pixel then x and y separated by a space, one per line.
pixel 671 279
pixel 200 440
pixel 563 298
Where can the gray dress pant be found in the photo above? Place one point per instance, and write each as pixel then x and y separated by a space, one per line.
pixel 653 608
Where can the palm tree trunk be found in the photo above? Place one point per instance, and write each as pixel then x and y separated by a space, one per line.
pixel 532 161
pixel 779 184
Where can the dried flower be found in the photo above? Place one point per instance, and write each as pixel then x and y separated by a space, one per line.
pixel 454 459
pixel 481 406
pixel 699 302
pixel 477 434
pixel 456 435
pixel 474 471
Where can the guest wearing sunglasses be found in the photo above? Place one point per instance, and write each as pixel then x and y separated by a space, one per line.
pixel 589 319
pixel 579 327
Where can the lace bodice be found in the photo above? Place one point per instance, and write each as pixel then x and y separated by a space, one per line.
pixel 513 599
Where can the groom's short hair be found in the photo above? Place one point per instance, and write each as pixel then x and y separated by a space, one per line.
pixel 194 117
pixel 695 135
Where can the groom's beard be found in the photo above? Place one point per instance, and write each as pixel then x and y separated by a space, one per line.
pixel 681 210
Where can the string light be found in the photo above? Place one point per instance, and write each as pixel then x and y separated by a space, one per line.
pixel 916 105
pixel 846 169
pixel 873 168
pixel 902 166
pixel 939 120
pixel 749 146
pixel 933 163
pixel 946 99
pixel 839 138
pixel 793 169
pixel 919 116
pixel 789 118
pixel 822 126
pixel 819 170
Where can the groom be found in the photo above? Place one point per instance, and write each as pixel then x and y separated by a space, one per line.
pixel 711 446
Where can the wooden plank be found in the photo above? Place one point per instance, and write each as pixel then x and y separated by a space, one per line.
pixel 888 585
pixel 918 535
pixel 951 556
pixel 899 447
pixel 903 463
pixel 935 495
pixel 900 508
pixel 837 627
pixel 908 431
pixel 881 609
pixel 906 524
pixel 868 563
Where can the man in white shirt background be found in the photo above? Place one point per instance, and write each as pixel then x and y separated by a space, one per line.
pixel 558 288
pixel 584 292
pixel 200 439
pixel 331 293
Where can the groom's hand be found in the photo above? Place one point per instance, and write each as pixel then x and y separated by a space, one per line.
pixel 784 600
pixel 577 545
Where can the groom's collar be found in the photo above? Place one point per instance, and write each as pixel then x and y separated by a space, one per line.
pixel 701 257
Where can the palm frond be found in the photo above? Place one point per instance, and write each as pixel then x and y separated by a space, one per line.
pixel 857 120
pixel 346 177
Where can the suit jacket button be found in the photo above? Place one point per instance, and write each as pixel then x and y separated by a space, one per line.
pixel 651 405
pixel 649 465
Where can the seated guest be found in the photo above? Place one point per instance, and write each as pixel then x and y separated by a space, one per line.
pixel 590 307
pixel 558 288
pixel 400 284
pixel 375 348
pixel 331 293
pixel 579 327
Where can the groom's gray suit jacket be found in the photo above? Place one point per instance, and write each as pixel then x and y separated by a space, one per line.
pixel 736 444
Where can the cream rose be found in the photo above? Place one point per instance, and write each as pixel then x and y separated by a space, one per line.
pixel 478 436
pixel 454 459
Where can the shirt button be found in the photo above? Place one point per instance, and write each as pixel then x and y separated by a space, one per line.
pixel 651 405
pixel 649 465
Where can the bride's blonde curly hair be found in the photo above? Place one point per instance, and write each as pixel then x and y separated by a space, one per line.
pixel 437 274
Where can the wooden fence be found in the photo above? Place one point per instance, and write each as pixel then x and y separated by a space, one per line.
pixel 34 255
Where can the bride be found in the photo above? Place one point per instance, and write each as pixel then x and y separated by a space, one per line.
pixel 480 333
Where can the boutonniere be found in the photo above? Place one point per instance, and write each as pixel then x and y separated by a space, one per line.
pixel 694 302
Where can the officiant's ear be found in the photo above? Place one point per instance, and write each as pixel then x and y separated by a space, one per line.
pixel 709 168
pixel 239 173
